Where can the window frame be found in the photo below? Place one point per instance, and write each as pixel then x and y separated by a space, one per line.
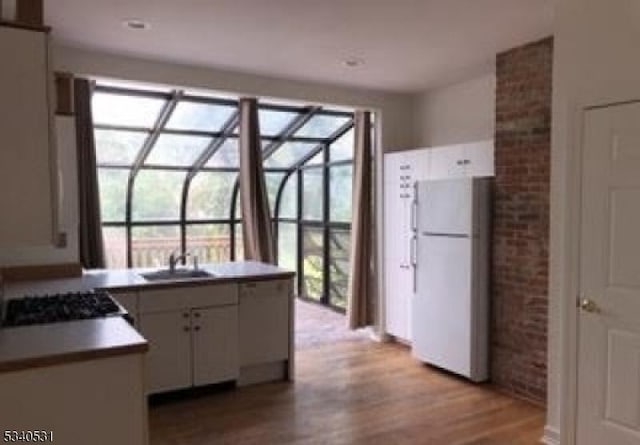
pixel 302 115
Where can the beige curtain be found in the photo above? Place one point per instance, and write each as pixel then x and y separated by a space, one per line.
pixel 361 294
pixel 256 220
pixel 90 224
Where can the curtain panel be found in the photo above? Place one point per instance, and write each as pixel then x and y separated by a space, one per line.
pixel 361 296
pixel 90 225
pixel 256 218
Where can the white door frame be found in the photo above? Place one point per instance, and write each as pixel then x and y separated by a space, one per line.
pixel 566 193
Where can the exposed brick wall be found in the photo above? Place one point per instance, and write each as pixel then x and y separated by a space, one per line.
pixel 521 220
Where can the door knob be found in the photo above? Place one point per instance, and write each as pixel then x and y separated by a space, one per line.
pixel 589 306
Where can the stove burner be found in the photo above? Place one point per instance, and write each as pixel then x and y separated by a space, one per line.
pixel 59 307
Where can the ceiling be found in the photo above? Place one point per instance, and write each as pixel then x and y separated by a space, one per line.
pixel 406 45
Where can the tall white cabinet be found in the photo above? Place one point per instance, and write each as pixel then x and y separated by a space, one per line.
pixel 28 170
pixel 401 171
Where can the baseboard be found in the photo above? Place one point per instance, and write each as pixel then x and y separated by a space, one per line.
pixel 551 436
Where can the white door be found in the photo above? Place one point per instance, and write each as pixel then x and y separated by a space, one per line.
pixel 609 320
pixel 215 344
pixel 169 356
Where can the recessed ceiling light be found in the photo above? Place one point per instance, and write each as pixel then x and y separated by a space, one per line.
pixel 137 24
pixel 353 62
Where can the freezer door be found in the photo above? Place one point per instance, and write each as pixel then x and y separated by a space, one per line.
pixel 441 324
pixel 445 207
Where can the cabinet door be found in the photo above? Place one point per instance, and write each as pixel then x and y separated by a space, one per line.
pixel 420 164
pixel 447 162
pixel 215 344
pixel 479 159
pixel 169 356
pixel 264 322
pixel 26 161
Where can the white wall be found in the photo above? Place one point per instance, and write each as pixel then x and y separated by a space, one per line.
pixel 595 63
pixel 463 112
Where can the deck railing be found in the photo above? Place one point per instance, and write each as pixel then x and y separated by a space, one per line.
pixel 154 252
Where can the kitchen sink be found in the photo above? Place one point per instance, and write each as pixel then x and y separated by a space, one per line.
pixel 177 274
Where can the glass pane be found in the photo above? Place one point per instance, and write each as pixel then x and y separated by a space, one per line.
pixel 342 148
pixel 113 193
pixel 125 111
pixel 118 147
pixel 151 246
pixel 210 195
pixel 289 154
pixel 339 250
pixel 211 243
pixel 238 214
pixel 199 116
pixel 226 156
pixel 289 199
pixel 288 246
pixel 177 150
pixel 312 196
pixel 340 179
pixel 157 195
pixel 313 270
pixel 239 248
pixel 273 122
pixel 322 126
pixel 115 247
pixel 273 181
pixel 317 159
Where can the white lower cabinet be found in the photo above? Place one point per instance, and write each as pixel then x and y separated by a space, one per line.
pixel 215 344
pixel 201 335
pixel 192 334
pixel 169 357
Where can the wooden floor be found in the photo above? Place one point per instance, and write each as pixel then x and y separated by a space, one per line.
pixel 352 393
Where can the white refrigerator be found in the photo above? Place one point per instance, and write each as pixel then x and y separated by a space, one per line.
pixel 450 311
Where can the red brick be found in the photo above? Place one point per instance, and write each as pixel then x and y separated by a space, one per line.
pixel 520 260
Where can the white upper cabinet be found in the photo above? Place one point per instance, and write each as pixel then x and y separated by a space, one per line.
pixel 28 171
pixel 463 160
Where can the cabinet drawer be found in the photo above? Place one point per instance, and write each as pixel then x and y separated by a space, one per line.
pixel 268 288
pixel 175 298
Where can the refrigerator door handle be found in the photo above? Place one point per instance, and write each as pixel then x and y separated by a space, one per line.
pixel 414 261
pixel 414 208
pixel 414 216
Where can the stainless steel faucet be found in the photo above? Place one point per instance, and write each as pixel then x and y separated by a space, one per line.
pixel 174 258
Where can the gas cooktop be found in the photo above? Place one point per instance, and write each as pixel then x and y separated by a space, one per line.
pixel 55 308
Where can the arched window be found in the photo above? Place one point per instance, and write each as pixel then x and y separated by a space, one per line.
pixel 168 176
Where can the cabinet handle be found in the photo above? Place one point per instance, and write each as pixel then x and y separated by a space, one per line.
pixel 197 328
pixel 186 329
pixel 459 162
pixel 185 315
pixel 467 162
pixel 196 314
